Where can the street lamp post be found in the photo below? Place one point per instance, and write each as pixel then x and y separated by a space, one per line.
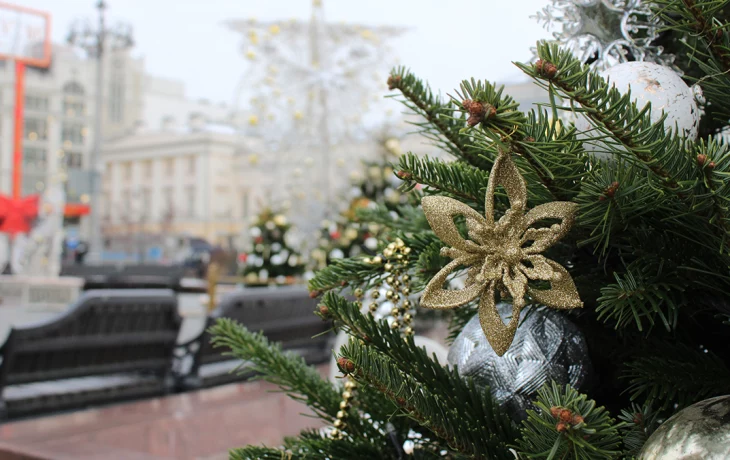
pixel 95 42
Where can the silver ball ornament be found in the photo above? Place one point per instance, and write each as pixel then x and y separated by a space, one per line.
pixel 546 347
pixel 700 431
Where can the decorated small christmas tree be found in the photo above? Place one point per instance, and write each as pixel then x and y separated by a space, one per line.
pixel 375 190
pixel 271 259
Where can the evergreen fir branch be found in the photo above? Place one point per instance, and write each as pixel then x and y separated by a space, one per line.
pixel 404 218
pixel 638 424
pixel 673 376
pixel 454 179
pixel 567 425
pixel 286 370
pixel 640 295
pixel 301 382
pixel 341 272
pixel 312 445
pixel 458 319
pixel 553 152
pixel 630 129
pixel 425 403
pixel 414 362
pixel 613 202
pixel 430 261
pixel 501 112
pixel 701 20
pixel 440 126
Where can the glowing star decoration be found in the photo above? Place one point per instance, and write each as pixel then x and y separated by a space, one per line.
pixel 311 75
pixel 501 256
pixel 605 32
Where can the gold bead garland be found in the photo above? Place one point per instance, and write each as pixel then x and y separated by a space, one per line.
pixel 341 422
pixel 394 263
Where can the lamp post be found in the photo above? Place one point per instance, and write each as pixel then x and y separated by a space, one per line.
pixel 95 41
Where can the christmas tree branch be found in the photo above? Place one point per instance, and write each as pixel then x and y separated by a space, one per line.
pixel 612 112
pixel 415 363
pixel 674 374
pixel 454 179
pixel 429 408
pixel 286 370
pixel 445 129
pixel 341 272
pixel 312 445
pixel 567 425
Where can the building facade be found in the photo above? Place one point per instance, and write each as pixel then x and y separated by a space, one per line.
pixel 174 183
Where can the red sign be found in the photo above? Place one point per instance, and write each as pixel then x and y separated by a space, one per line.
pixel 17 213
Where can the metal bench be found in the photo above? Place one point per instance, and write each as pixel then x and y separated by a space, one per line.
pixel 283 314
pixel 110 346
pixel 94 276
pixel 139 276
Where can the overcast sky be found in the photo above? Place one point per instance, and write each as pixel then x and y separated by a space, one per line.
pixel 447 41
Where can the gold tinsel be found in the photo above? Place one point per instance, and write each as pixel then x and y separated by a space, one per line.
pixel 501 256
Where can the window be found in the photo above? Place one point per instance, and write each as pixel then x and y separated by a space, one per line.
pixel 191 165
pixel 33 183
pixel 72 88
pixel 34 158
pixel 36 103
pixel 146 200
pixel 126 202
pixel 73 108
pixel 190 200
pixel 148 170
pixel 74 160
pixel 170 167
pixel 35 129
pixel 73 99
pixel 72 132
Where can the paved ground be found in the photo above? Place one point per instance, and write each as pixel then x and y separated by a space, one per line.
pixel 191 309
pixel 200 425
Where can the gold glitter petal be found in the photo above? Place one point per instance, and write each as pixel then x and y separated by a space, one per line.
pixel 499 335
pixel 516 283
pixel 440 212
pixel 505 173
pixel 562 293
pixel 540 270
pixel 435 296
pixel 545 237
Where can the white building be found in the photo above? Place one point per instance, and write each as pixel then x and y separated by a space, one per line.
pixel 176 181
pixel 58 121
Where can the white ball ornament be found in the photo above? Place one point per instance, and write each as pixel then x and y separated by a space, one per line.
pixel 649 83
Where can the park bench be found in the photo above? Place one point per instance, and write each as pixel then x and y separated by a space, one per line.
pixel 284 314
pixel 137 276
pixel 111 345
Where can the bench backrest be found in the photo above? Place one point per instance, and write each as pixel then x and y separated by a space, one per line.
pixel 106 331
pixel 284 314
pixel 153 270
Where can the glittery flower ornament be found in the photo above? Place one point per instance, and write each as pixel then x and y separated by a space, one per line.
pixel 500 256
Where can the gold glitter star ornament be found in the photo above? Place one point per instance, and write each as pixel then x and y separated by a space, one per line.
pixel 500 256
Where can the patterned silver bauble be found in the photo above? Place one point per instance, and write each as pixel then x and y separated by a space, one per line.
pixel 605 32
pixel 546 347
pixel 700 431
